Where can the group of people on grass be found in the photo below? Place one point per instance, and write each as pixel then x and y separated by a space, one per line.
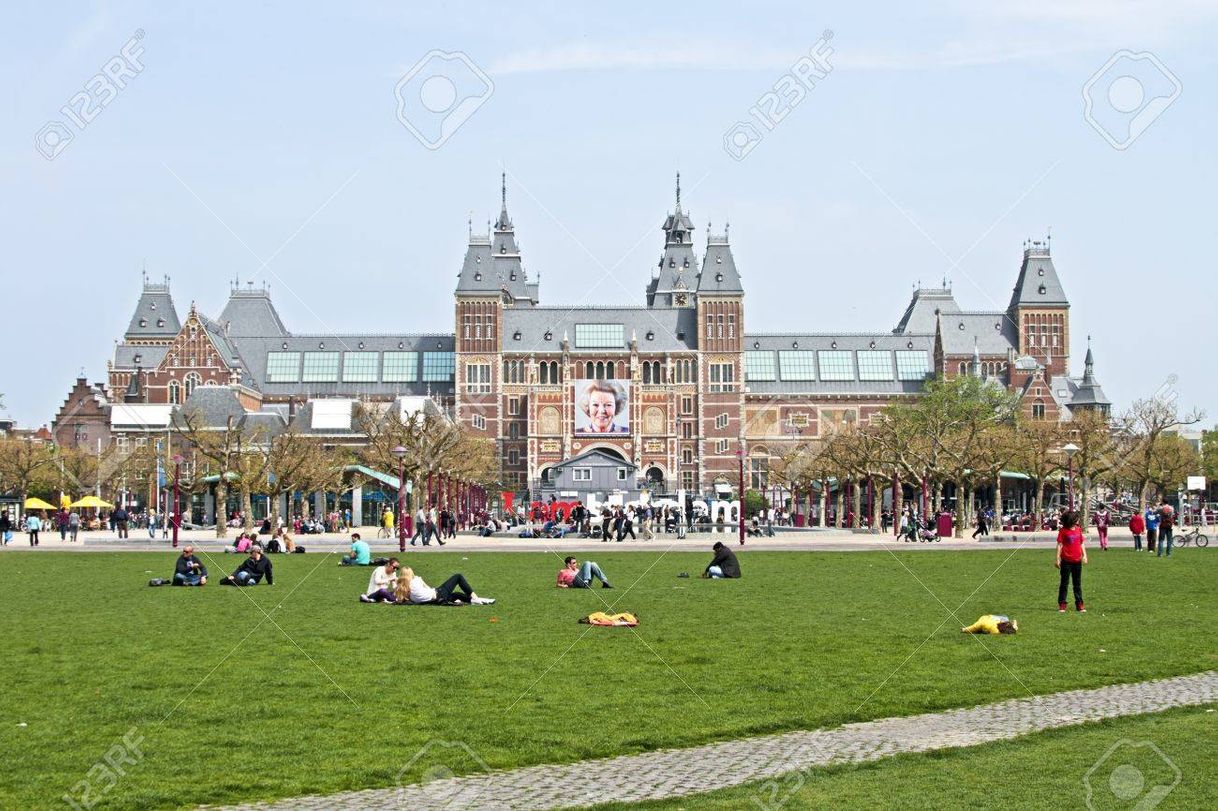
pixel 394 584
pixel 190 571
pixel 1158 523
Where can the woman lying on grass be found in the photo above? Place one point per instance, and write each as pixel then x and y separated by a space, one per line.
pixel 456 590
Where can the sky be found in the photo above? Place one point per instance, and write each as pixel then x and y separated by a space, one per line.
pixel 262 142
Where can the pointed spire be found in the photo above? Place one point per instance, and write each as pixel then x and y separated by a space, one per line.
pixel 503 189
pixel 678 192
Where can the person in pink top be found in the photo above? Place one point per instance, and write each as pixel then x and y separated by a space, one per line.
pixel 574 576
pixel 1071 556
pixel 1102 519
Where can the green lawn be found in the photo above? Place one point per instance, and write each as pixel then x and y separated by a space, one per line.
pixel 1047 770
pixel 346 694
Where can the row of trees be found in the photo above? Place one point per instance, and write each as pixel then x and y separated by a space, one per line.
pixel 253 457
pixel 965 431
pixel 261 458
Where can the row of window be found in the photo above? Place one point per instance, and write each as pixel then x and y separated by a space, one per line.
pixel 835 365
pixel 358 367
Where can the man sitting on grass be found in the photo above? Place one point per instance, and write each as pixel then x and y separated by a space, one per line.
pixel 574 576
pixel 724 564
pixel 251 571
pixel 381 584
pixel 361 553
pixel 188 571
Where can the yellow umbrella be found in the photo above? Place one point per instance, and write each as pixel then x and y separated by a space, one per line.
pixel 32 503
pixel 92 501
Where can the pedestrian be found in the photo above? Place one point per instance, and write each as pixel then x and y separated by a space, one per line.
pixel 73 525
pixel 983 527
pixel 1102 517
pixel 120 518
pixel 1071 557
pixel 33 525
pixel 1167 520
pixel 420 522
pixel 1151 517
pixel 61 523
pixel 152 525
pixel 6 528
pixel 1137 525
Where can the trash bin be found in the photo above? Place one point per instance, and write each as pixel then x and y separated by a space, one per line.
pixel 944 525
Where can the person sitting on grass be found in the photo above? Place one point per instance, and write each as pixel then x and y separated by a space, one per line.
pixel 456 590
pixel 381 584
pixel 992 624
pixel 574 576
pixel 1070 559
pixel 188 571
pixel 241 547
pixel 361 553
pixel 724 564
pixel 251 571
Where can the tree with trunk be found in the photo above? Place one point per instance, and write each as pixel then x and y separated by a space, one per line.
pixel 1141 428
pixel 28 468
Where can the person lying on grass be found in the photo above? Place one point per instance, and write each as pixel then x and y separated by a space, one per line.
pixel 382 583
pixel 188 571
pixel 724 563
pixel 361 553
pixel 456 590
pixel 251 571
pixel 574 576
pixel 241 547
pixel 992 624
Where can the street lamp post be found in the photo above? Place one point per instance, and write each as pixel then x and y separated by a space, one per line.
pixel 400 453
pixel 177 512
pixel 740 511
pixel 1070 450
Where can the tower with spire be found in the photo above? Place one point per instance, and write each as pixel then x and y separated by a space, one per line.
pixel 674 280
pixel 1089 396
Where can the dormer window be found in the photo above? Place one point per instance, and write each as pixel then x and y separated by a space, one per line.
pixel 651 336
pixel 1042 289
pixel 152 305
pixel 477 277
pixel 1040 272
pixel 718 260
pixel 672 263
pixel 143 322
pixel 718 277
pixel 160 322
pixel 549 336
pixel 138 358
pixel 685 263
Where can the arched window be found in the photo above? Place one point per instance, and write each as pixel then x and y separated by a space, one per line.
pixel 544 372
pixel 175 392
pixel 554 376
pixel 646 372
pixel 192 381
pixel 609 370
pixel 591 370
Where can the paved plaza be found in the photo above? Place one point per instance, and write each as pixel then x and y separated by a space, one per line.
pixel 784 540
pixel 680 772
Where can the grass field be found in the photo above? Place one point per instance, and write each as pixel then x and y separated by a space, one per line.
pixel 330 694
pixel 1047 770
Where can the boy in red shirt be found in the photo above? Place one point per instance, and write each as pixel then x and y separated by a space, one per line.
pixel 1070 559
pixel 1137 525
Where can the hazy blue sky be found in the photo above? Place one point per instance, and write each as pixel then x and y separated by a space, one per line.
pixel 263 132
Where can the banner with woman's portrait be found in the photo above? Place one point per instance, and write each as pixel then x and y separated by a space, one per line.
pixel 602 407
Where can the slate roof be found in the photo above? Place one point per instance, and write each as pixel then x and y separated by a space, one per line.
pixel 253 352
pixel 719 274
pixel 251 313
pixel 672 330
pixel 883 341
pixel 214 405
pixel 155 315
pixel 598 456
pixel 129 356
pixel 1087 391
pixel 990 333
pixel 919 316
pixel 1038 284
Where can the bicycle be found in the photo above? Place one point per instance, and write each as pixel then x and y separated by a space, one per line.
pixel 1194 536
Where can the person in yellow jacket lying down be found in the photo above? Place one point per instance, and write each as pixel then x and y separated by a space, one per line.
pixel 993 624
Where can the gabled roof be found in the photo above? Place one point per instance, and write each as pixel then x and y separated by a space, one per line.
pixel 598 456
pixel 155 315
pixel 145 356
pixel 214 405
pixel 1038 284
